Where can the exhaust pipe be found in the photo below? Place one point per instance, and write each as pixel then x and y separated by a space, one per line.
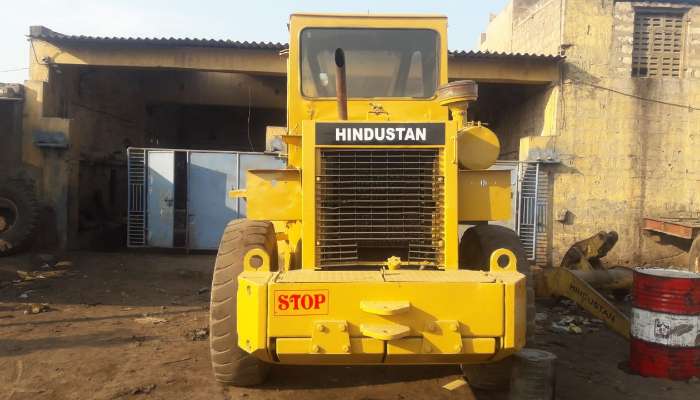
pixel 341 87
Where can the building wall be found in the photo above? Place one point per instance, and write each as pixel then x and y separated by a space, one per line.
pixel 499 32
pixel 627 144
pixel 527 26
pixel 102 111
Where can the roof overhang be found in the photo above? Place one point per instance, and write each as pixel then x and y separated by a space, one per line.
pixel 516 68
pixel 261 58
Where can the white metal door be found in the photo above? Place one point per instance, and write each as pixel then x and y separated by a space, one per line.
pixel 161 198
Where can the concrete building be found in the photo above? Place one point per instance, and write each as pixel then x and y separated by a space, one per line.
pixel 89 98
pixel 625 116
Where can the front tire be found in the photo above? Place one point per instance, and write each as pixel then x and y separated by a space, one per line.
pixel 475 248
pixel 231 364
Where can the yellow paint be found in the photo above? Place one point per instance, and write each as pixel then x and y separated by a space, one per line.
pixel 330 337
pixel 429 300
pixel 477 147
pixel 296 351
pixel 562 282
pixel 484 196
pixel 385 307
pixel 237 194
pixel 256 259
pixel 442 337
pixel 511 264
pixel 385 331
pixel 416 351
pixel 528 72
pixel 399 314
pixel 273 194
pixel 251 307
pixel 300 108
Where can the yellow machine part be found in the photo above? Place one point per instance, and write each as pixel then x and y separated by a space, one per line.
pixel 484 196
pixel 370 317
pixel 276 194
pixel 575 285
pixel 477 147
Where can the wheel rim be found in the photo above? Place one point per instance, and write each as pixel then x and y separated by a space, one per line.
pixel 8 214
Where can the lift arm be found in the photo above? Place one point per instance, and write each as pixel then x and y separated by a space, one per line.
pixel 574 285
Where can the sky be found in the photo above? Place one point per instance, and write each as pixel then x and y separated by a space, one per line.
pixel 251 20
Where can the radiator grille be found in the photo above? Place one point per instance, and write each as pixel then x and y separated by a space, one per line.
pixel 378 202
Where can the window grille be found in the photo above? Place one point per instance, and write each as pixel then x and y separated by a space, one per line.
pixel 658 44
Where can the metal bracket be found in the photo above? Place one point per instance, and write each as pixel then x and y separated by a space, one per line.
pixel 385 307
pixel 330 337
pixel 511 265
pixel 442 337
pixel 237 193
pixel 385 332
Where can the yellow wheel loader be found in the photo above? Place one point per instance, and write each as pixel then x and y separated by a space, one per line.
pixel 352 254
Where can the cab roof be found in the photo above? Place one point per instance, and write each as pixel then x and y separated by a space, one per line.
pixel 368 15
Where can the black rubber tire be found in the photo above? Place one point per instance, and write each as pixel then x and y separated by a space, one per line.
pixel 475 248
pixel 231 364
pixel 20 194
pixel 694 256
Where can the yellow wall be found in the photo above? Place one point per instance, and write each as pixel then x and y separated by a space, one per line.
pixel 622 157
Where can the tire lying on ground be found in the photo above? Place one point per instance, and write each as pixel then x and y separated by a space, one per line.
pixel 475 248
pixel 231 364
pixel 19 213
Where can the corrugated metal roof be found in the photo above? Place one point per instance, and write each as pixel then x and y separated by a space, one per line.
pixel 496 54
pixel 44 33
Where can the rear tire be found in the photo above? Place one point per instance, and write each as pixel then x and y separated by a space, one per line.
pixel 475 248
pixel 231 364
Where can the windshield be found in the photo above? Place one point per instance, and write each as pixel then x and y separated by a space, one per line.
pixel 379 62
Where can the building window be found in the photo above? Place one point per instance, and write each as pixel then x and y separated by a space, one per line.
pixel 658 43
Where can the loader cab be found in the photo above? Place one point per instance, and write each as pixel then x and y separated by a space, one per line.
pixel 394 66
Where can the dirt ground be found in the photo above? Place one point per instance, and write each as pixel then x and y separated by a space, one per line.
pixel 121 326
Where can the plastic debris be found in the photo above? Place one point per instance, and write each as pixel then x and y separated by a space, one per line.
pixel 37 308
pixel 559 327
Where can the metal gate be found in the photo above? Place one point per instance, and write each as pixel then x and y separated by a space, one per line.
pixel 136 216
pixel 532 209
pixel 179 198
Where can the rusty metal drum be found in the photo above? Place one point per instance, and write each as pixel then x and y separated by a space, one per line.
pixel 665 324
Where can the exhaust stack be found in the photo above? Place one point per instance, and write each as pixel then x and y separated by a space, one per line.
pixel 341 88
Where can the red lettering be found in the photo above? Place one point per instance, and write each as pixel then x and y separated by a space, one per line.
pixel 295 300
pixel 306 301
pixel 283 302
pixel 318 300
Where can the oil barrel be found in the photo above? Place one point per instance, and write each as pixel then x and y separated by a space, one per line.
pixel 533 375
pixel 665 323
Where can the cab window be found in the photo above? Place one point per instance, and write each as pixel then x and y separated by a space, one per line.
pixel 379 62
